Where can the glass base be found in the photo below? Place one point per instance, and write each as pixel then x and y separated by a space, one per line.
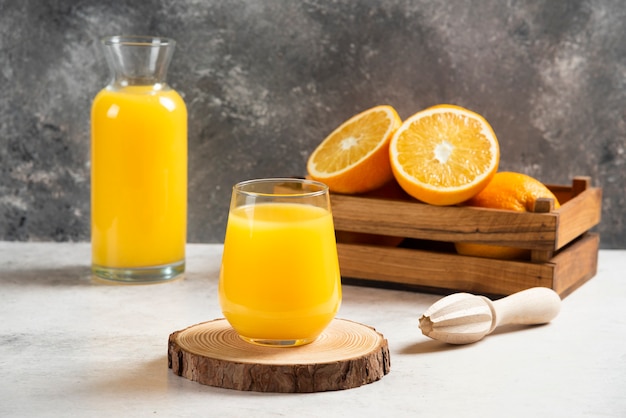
pixel 278 343
pixel 140 275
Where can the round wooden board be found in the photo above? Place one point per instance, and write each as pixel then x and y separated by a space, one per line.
pixel 346 355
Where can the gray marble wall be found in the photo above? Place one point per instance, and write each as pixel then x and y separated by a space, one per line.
pixel 266 81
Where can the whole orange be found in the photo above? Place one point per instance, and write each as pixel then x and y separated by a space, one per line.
pixel 508 191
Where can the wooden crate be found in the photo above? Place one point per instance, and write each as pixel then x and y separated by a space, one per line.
pixel 564 253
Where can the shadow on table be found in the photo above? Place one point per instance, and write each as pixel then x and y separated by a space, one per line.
pixel 78 275
pixel 153 379
pixel 433 346
pixel 428 346
pixel 147 377
pixel 66 276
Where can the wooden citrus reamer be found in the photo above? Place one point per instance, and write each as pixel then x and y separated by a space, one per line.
pixel 463 318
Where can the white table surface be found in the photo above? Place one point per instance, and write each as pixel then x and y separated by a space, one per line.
pixel 72 347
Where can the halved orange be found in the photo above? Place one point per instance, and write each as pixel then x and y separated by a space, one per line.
pixel 444 155
pixel 354 158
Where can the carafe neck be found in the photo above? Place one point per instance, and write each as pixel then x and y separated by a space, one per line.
pixel 138 60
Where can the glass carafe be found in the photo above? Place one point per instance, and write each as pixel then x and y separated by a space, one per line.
pixel 138 166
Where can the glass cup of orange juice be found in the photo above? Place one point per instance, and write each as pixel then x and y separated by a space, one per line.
pixel 279 280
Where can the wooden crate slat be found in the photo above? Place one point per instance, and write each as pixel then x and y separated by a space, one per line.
pixel 411 219
pixel 576 264
pixel 449 223
pixel 441 270
pixel 579 215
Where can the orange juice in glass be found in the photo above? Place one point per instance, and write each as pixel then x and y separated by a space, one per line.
pixel 138 166
pixel 279 281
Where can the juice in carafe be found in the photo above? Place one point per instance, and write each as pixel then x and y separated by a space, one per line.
pixel 139 177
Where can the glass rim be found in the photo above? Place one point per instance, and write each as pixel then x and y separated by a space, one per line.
pixel 322 188
pixel 138 40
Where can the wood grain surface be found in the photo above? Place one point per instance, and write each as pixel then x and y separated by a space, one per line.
pixel 346 355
